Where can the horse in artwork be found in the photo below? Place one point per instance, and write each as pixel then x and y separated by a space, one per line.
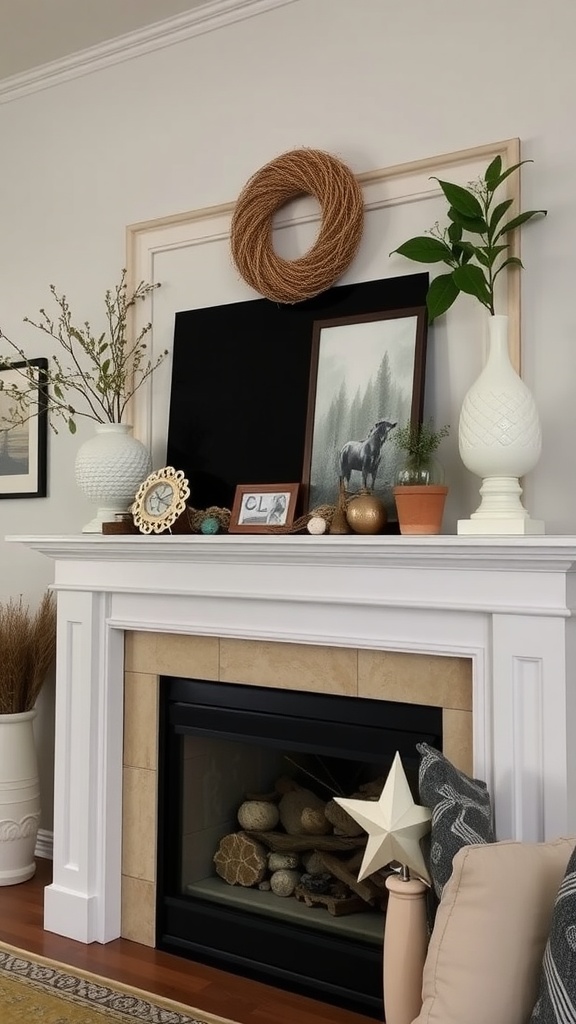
pixel 364 456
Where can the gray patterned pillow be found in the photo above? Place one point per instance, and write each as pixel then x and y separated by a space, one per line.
pixel 557 998
pixel 461 811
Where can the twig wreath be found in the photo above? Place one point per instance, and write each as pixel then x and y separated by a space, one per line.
pixel 299 172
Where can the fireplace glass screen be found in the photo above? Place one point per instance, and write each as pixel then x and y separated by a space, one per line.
pixel 257 865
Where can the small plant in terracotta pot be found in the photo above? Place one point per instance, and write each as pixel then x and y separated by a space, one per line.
pixel 419 491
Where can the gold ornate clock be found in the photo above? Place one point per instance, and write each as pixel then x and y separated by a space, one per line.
pixel 160 500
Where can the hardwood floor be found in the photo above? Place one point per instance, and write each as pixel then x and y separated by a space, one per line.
pixel 204 988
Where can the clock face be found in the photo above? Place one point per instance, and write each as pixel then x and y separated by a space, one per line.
pixel 159 498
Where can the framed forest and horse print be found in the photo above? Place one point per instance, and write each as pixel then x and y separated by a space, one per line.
pixel 366 377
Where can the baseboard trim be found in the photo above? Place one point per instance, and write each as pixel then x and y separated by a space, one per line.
pixel 44 844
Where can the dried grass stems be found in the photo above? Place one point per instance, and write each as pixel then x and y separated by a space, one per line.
pixel 27 652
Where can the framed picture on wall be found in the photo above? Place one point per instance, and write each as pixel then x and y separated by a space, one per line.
pixel 23 447
pixel 366 377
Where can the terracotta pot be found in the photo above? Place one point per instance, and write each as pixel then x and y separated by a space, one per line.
pixel 420 507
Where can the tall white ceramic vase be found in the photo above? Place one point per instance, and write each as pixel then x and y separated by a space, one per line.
pixel 500 440
pixel 19 798
pixel 109 469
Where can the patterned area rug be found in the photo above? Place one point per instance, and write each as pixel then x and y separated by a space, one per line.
pixel 38 991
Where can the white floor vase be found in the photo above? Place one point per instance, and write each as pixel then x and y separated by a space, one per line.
pixel 500 440
pixel 19 798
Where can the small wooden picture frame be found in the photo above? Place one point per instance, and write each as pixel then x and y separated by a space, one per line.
pixel 263 508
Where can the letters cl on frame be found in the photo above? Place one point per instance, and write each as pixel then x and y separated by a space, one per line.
pixel 263 508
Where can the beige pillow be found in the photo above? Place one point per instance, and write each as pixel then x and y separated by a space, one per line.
pixel 485 953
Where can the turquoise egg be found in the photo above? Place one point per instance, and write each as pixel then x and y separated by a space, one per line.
pixel 209 525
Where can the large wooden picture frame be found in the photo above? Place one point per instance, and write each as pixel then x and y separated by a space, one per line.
pixel 367 376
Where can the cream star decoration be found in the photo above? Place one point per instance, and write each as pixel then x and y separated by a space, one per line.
pixel 394 823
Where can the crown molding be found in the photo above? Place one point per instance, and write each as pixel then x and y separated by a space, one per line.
pixel 208 17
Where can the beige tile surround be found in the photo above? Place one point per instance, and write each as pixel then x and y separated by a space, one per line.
pixel 412 678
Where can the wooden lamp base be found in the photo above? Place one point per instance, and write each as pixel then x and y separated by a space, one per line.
pixel 405 946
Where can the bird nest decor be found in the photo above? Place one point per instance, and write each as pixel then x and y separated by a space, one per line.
pixel 298 172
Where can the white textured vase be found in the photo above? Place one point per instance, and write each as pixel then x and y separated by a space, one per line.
pixel 109 470
pixel 19 798
pixel 500 440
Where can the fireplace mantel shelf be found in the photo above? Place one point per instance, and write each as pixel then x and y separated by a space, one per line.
pixel 514 553
pixel 507 604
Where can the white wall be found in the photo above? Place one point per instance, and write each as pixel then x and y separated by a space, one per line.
pixel 376 83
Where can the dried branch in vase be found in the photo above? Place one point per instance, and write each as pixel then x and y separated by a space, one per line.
pixel 27 652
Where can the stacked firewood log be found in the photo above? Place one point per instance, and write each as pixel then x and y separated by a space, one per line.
pixel 293 843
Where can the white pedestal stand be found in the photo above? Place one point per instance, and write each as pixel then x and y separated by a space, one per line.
pixel 501 513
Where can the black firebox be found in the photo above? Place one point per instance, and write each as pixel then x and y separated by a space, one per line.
pixel 221 743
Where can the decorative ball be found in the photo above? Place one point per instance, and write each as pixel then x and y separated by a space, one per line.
pixel 282 861
pixel 283 883
pixel 366 514
pixel 316 525
pixel 209 525
pixel 258 815
pixel 313 822
pixel 313 863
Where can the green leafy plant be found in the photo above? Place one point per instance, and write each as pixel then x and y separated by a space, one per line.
pixel 474 245
pixel 102 372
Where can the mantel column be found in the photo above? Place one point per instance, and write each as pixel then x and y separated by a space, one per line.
pixel 83 901
pixel 534 758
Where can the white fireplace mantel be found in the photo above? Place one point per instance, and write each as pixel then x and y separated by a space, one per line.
pixel 505 603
